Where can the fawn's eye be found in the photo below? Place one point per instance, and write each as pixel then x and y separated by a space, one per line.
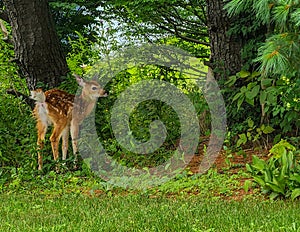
pixel 94 88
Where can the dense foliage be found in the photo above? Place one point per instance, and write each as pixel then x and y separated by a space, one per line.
pixel 270 93
pixel 263 99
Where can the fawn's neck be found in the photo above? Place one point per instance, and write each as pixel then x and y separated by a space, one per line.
pixel 83 106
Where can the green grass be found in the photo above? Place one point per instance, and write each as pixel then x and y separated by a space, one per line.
pixel 71 202
pixel 75 212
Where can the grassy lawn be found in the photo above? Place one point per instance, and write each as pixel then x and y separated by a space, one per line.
pixel 216 201
pixel 140 212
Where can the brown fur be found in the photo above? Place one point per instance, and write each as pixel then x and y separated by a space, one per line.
pixel 66 112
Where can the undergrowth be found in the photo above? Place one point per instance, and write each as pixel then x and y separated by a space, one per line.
pixel 209 185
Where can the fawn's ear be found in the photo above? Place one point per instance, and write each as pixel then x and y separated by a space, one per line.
pixel 79 80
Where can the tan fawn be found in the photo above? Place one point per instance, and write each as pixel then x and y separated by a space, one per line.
pixel 66 112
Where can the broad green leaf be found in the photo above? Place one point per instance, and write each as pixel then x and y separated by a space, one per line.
pixel 268 130
pixel 251 85
pixel 279 148
pixel 285 144
pixel 295 193
pixel 273 195
pixel 267 176
pixel 243 74
pixel 249 136
pixel 284 159
pixel 247 185
pixel 237 96
pixel 266 82
pixel 275 188
pixel 280 82
pixel 259 180
pixel 258 130
pixel 248 168
pixel 262 97
pixel 258 163
pixel 271 98
pixel 283 173
pixel 267 109
pixel 250 123
pixel 240 102
pixel 271 163
pixel 231 81
pixel 277 138
pixel 255 74
pixel 272 89
pixel 242 139
pixel 250 101
pixel 244 89
pixel 253 93
pixel 295 177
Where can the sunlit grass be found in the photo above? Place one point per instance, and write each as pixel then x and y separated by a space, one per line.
pixel 142 213
pixel 68 202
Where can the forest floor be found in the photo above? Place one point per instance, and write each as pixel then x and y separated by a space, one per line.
pixel 230 167
pixel 230 163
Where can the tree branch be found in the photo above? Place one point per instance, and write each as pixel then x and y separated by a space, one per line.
pixel 181 26
pixel 202 56
pixel 24 97
pixel 4 16
pixel 181 36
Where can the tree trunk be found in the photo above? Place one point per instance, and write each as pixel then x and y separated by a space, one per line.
pixel 225 58
pixel 38 51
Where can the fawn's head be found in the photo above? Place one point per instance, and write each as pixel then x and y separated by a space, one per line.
pixel 90 89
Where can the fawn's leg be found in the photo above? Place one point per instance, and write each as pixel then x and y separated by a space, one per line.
pixel 74 135
pixel 42 129
pixel 55 138
pixel 65 142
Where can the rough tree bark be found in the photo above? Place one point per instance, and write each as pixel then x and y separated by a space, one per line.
pixel 225 58
pixel 37 48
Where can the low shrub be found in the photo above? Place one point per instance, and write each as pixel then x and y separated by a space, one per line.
pixel 279 175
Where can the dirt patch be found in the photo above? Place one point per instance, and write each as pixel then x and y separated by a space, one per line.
pixel 225 159
pixel 229 162
pixel 225 162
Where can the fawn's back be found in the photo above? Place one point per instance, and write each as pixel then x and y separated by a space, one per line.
pixel 60 105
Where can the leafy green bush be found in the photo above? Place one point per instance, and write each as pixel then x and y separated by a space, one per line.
pixel 17 134
pixel 280 175
pixel 81 55
pixel 272 95
pixel 271 105
pixel 17 137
